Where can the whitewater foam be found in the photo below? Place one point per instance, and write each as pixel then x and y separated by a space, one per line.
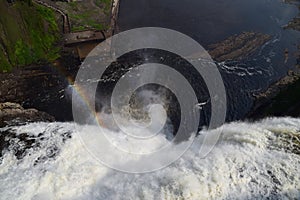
pixel 252 160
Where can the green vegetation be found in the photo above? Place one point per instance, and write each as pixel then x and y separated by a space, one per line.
pixel 28 34
pixel 105 3
pixel 23 53
pixel 85 20
pixel 86 15
pixel 73 5
pixel 78 28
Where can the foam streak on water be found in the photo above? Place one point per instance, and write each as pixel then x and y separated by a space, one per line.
pixel 253 160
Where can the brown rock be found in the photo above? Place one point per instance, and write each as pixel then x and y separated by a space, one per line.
pixel 13 114
pixel 238 46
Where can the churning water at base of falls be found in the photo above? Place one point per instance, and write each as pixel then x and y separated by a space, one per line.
pixel 252 160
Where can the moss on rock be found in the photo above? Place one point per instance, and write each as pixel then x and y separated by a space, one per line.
pixel 28 34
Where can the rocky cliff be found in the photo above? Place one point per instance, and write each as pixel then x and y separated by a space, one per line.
pixel 28 34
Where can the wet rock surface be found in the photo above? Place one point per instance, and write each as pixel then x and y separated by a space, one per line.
pixel 295 22
pixel 13 114
pixel 22 142
pixel 238 47
pixel 280 99
pixel 41 87
pixel 44 87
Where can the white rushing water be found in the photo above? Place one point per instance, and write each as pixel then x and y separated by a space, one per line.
pixel 252 160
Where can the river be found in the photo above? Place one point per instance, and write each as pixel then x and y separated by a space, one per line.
pixel 210 22
pixel 252 160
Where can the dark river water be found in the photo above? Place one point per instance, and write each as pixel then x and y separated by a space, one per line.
pixel 210 22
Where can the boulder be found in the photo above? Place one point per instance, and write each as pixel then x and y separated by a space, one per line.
pixel 14 114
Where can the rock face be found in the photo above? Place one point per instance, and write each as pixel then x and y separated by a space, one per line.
pixel 22 28
pixel 281 99
pixel 295 22
pixel 274 89
pixel 12 114
pixel 238 46
pixel 41 87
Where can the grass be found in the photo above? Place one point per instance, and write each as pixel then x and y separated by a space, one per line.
pixel 105 4
pixel 87 22
pixel 49 16
pixel 78 28
pixel 28 34
pixel 81 16
pixel 84 16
